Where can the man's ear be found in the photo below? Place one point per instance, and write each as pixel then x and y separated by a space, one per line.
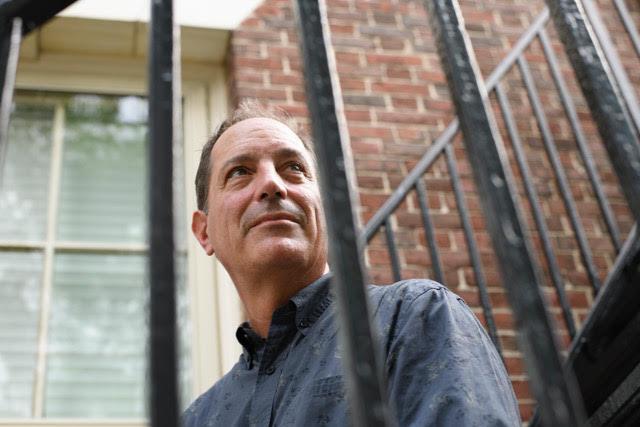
pixel 199 229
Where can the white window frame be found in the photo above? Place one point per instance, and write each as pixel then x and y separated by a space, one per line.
pixel 214 307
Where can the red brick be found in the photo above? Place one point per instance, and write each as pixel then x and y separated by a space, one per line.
pixel 365 147
pixel 258 63
pixel 357 115
pixel 285 79
pixel 406 118
pixel 526 410
pixel 521 389
pixel 406 103
pixel 374 58
pixel 351 84
pixel 514 365
pixel 369 132
pixel 253 92
pixel 408 88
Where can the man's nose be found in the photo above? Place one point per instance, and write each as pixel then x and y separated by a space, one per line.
pixel 271 184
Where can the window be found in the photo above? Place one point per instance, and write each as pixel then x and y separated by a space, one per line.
pixel 73 332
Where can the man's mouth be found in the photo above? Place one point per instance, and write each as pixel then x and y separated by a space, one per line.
pixel 275 218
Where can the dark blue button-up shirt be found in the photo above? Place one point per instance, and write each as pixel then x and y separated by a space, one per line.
pixel 441 367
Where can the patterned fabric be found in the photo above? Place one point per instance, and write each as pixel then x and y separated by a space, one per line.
pixel 441 367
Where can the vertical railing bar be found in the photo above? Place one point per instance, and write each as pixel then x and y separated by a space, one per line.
pixel 163 355
pixel 602 96
pixel 535 207
pixel 399 194
pixel 611 53
pixel 517 49
pixel 10 51
pixel 583 148
pixel 561 179
pixel 472 246
pixel 393 250
pixel 428 231
pixel 628 23
pixel 360 354
pixel 554 388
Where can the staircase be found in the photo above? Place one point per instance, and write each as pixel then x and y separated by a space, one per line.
pixel 603 360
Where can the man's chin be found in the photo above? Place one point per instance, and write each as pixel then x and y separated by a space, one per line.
pixel 281 252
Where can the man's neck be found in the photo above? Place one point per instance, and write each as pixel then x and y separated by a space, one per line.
pixel 264 295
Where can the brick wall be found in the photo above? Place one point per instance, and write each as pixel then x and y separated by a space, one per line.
pixel 396 103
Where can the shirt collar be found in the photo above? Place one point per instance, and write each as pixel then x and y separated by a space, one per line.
pixel 309 304
pixel 251 343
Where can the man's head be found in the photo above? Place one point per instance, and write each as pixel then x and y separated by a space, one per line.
pixel 247 110
pixel 258 197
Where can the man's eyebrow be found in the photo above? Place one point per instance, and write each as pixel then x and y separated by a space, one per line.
pixel 240 158
pixel 289 152
pixel 280 153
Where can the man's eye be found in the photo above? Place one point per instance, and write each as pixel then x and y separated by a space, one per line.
pixel 296 167
pixel 237 171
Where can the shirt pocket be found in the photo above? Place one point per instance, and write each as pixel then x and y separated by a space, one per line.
pixel 330 387
pixel 328 406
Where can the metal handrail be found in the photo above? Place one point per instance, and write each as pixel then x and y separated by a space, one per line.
pixel 450 132
pixel 410 182
pixel 413 180
pixel 602 95
pixel 626 88
pixel 361 358
pixel 630 26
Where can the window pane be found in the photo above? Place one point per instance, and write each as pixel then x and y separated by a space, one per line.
pixel 20 278
pixel 103 183
pixel 96 362
pixel 23 194
pixel 184 333
pixel 95 359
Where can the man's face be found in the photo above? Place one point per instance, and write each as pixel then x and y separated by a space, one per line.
pixel 264 206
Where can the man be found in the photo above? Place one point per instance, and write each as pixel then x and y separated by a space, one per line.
pixel 260 213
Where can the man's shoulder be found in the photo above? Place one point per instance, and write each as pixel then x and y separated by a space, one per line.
pixel 419 300
pixel 200 409
pixel 406 292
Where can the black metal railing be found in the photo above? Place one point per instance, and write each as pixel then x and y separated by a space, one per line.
pixel 163 363
pixel 628 23
pixel 617 119
pixel 17 19
pixel 442 146
pixel 610 52
pixel 363 368
pixel 414 182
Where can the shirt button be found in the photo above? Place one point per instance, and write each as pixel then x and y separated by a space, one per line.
pixel 303 324
pixel 270 370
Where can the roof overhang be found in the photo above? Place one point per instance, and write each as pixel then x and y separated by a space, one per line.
pixel 224 15
pixel 121 29
pixel 73 35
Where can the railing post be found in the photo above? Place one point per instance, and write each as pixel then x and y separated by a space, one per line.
pixel 627 91
pixel 554 389
pixel 602 96
pixel 10 37
pixel 163 363
pixel 360 354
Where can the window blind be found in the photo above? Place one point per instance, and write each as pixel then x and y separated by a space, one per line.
pixel 96 333
pixel 20 278
pixel 23 195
